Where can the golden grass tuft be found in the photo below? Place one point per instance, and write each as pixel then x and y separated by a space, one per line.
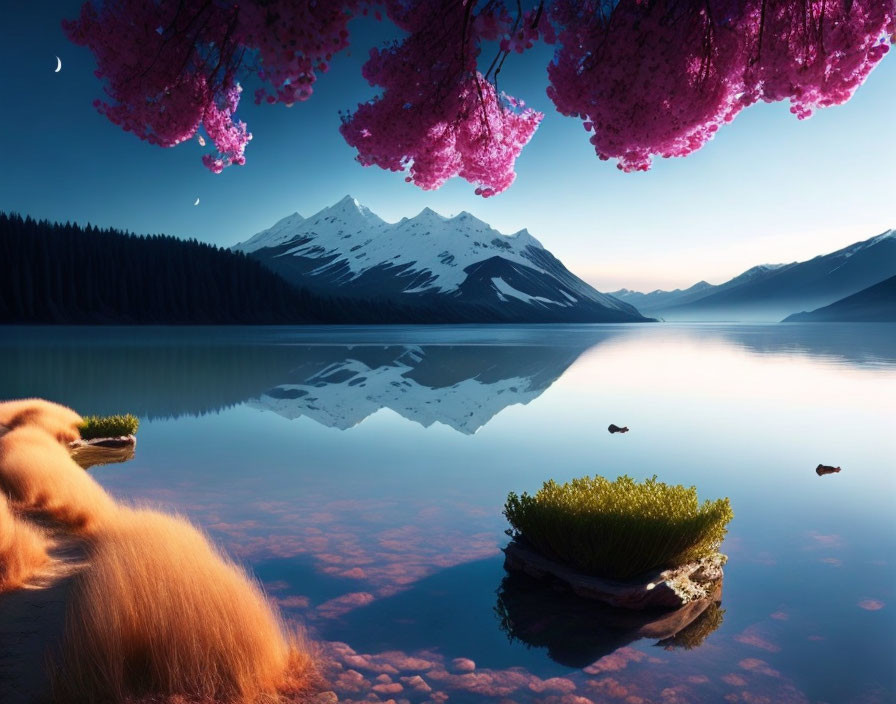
pixel 59 421
pixel 39 475
pixel 23 549
pixel 159 614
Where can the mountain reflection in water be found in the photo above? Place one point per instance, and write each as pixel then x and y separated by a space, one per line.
pixel 458 376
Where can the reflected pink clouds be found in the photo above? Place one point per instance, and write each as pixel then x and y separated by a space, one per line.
pixel 388 688
pixel 675 695
pixel 351 681
pixel 389 662
pixel 628 676
pixel 417 683
pixel 463 665
pixel 384 545
pixel 734 680
pixel 608 687
pixel 360 539
pixel 555 699
pixel 871 604
pixel 489 683
pixel 760 666
pixel 780 616
pixel 615 661
pixel 561 685
pixel 753 636
pixel 820 540
pixel 341 605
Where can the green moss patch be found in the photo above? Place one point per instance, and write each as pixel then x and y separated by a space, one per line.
pixel 618 529
pixel 108 426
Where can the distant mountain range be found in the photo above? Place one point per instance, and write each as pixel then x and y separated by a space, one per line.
pixel 458 264
pixel 770 292
pixel 873 304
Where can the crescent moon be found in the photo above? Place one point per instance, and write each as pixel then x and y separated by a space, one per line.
pixel 197 202
pixel 58 65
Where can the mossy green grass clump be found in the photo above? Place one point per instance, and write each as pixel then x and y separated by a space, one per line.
pixel 618 529
pixel 108 426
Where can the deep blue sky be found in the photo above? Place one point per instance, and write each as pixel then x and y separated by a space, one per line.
pixel 769 188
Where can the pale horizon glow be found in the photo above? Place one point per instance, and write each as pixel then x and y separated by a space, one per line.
pixel 661 272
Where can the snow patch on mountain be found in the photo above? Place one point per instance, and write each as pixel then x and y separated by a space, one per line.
pixel 349 234
pixel 282 231
pixel 507 290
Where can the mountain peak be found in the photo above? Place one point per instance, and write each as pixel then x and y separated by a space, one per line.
pixel 351 208
pixel 428 214
pixel 347 201
pixel 527 238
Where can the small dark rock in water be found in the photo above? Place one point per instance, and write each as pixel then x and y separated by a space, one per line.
pixel 826 469
pixel 616 429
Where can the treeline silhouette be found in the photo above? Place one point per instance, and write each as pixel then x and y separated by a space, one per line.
pixel 68 274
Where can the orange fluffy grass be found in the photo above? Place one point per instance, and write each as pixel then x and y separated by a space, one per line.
pixel 161 615
pixel 39 475
pixel 23 549
pixel 57 420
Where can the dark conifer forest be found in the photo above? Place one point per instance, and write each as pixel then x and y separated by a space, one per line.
pixel 52 273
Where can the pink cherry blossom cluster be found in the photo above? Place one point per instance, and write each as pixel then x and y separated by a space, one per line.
pixel 647 77
pixel 230 136
pixel 171 67
pixel 168 69
pixel 437 116
pixel 816 54
pixel 660 78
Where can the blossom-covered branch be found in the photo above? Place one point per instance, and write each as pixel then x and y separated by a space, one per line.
pixel 646 77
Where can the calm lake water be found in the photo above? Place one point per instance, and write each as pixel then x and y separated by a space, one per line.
pixel 360 473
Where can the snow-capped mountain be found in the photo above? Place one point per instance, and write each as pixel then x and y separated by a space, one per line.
pixel 769 292
pixel 432 262
pixel 463 387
